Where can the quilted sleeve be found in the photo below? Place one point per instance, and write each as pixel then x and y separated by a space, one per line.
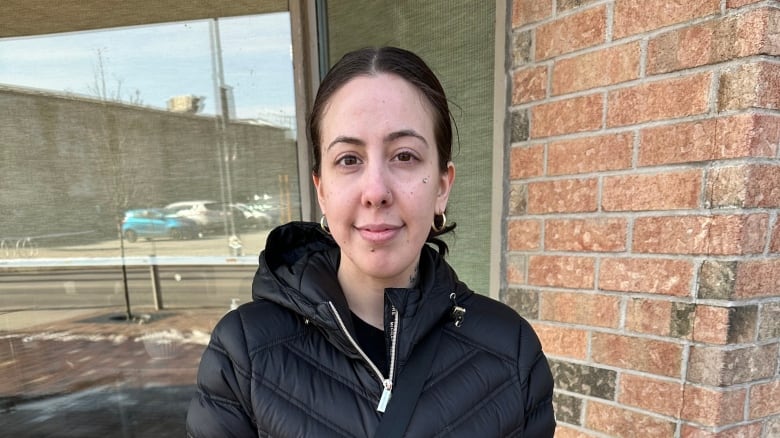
pixel 221 407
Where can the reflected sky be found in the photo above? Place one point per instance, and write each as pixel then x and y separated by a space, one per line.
pixel 162 61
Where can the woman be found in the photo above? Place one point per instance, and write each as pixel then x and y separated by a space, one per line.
pixel 343 308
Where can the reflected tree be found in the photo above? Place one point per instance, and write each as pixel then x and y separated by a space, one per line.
pixel 113 144
pixel 110 92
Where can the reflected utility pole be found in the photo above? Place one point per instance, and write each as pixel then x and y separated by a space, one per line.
pixel 222 97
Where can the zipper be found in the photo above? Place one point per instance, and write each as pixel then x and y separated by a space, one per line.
pixel 386 383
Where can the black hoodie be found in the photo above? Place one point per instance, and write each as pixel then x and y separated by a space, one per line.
pixel 287 364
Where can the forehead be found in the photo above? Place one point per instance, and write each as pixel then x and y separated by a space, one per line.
pixel 383 98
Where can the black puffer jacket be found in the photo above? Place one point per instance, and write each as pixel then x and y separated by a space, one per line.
pixel 285 364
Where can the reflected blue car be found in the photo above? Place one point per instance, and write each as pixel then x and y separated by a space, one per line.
pixel 149 223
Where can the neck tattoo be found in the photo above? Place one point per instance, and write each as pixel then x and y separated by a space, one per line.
pixel 413 277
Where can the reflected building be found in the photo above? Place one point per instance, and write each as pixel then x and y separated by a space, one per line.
pixel 70 164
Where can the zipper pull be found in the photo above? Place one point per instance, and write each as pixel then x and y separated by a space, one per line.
pixel 386 393
pixel 458 312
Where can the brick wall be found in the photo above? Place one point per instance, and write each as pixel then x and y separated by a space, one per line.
pixel 642 226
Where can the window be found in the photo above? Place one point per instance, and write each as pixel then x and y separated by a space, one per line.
pixel 141 168
pixel 198 113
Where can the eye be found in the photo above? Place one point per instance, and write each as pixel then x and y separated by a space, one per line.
pixel 404 156
pixel 347 160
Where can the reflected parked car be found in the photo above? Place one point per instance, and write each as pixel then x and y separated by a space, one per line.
pixel 245 217
pixel 266 209
pixel 209 215
pixel 154 222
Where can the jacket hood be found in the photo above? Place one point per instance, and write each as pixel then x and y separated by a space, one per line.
pixel 297 270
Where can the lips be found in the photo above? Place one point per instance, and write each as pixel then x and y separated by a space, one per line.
pixel 378 233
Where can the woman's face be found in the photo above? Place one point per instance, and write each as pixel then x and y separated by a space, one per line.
pixel 379 184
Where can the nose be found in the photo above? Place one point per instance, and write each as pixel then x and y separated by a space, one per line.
pixel 377 192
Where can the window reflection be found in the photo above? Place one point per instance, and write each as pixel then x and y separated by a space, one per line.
pixel 134 198
pixel 98 124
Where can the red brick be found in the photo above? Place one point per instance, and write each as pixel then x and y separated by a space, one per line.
pixel 648 316
pixel 563 196
pixel 526 162
pixel 568 116
pixel 577 308
pixel 596 69
pixel 659 191
pixel 637 16
pixel 713 407
pixel 749 86
pixel 633 353
pixel 765 399
pixel 561 271
pixel 745 135
pixel 746 431
pixel 727 186
pixel 763 188
pixel 618 422
pixel 680 49
pixel 655 276
pixel 745 186
pixel 529 84
pixel 653 395
pixel 666 99
pixel 601 235
pixel 712 324
pixel 756 30
pixel 590 154
pixel 711 235
pixel 563 431
pixel 573 32
pixel 525 235
pixel 563 341
pixel 528 11
pixel 725 366
pixel 712 42
pixel 758 278
pixel 657 317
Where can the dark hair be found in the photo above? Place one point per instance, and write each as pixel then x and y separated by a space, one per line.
pixel 372 61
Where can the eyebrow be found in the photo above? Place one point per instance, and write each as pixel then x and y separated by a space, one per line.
pixel 395 135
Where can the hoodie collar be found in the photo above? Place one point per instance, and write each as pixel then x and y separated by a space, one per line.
pixel 298 270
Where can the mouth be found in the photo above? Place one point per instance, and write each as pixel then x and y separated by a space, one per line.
pixel 378 233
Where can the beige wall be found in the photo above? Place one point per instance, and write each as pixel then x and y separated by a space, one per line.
pixel 463 59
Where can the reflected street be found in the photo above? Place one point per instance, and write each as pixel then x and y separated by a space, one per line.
pixel 102 286
pixel 191 273
pixel 210 245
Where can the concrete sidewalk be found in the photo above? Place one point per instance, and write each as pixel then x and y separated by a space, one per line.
pixel 88 373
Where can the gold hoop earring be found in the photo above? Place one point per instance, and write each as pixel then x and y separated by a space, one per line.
pixel 324 224
pixel 440 228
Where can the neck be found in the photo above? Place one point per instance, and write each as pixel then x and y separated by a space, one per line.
pixel 366 295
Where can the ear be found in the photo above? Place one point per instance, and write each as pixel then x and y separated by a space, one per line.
pixel 445 185
pixel 317 180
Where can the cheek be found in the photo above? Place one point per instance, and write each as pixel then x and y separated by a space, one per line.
pixel 325 196
pixel 336 203
pixel 420 198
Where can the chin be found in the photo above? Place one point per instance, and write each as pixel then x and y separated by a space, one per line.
pixel 382 269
